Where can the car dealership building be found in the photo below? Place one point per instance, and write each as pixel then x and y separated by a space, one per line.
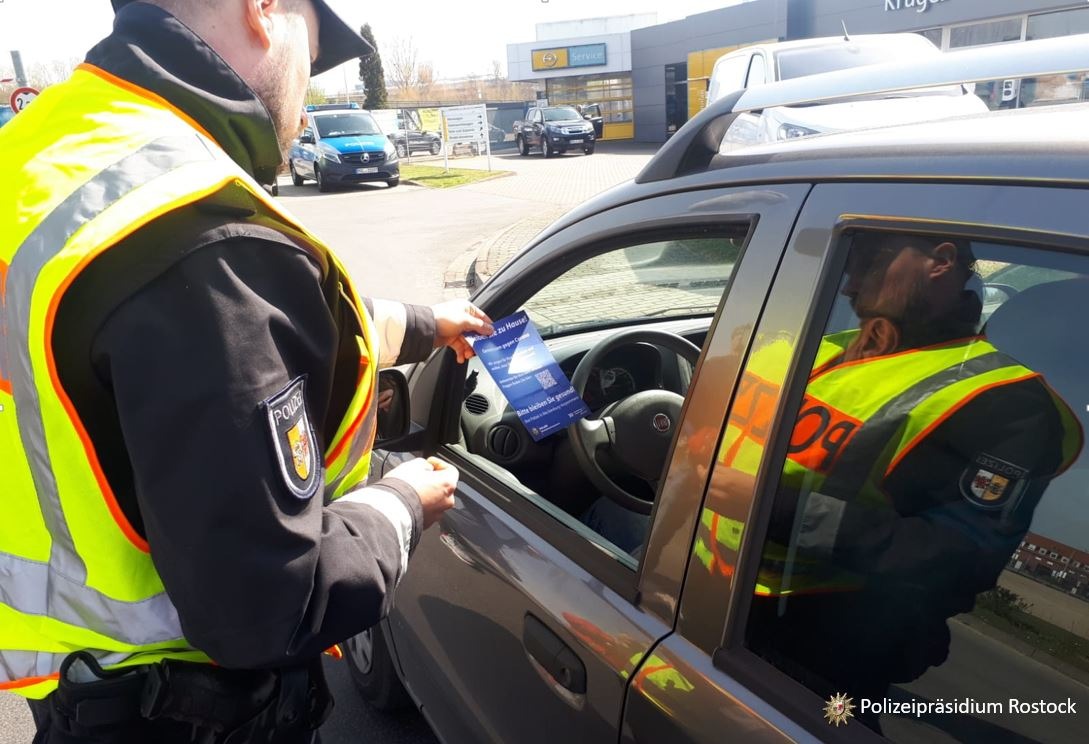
pixel 650 78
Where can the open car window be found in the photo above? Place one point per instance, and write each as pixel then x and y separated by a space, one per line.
pixel 665 282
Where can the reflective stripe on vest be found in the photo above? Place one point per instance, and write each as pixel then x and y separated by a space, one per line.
pixel 883 408
pixel 98 160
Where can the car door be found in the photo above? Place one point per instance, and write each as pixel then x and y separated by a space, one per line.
pixel 975 635
pixel 516 621
pixel 536 125
pixel 307 153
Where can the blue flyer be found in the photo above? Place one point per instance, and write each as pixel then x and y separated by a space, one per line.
pixel 527 373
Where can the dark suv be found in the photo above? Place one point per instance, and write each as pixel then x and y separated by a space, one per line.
pixel 833 485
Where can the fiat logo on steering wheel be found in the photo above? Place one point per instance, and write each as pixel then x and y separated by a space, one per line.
pixel 662 422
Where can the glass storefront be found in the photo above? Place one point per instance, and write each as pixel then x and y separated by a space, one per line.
pixel 611 91
pixel 988 32
pixel 1044 91
pixel 1062 23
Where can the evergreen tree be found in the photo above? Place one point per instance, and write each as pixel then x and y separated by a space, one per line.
pixel 372 74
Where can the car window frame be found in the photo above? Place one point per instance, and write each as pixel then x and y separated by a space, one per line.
pixel 718 83
pixel 749 82
pixel 769 211
pixel 816 250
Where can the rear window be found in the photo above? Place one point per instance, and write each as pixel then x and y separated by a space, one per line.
pixel 814 60
pixel 939 442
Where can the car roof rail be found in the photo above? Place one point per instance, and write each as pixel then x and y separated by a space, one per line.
pixel 694 145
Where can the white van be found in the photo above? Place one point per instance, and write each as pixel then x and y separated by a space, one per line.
pixel 760 64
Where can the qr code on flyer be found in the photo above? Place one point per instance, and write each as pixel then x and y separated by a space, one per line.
pixel 546 379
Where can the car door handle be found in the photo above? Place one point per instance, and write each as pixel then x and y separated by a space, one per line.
pixel 554 656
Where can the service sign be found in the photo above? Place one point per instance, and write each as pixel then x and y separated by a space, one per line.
pixel 559 58
pixel 531 380
pixel 466 124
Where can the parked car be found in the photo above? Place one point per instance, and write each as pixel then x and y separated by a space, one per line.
pixel 429 142
pixel 6 115
pixel 555 130
pixel 520 620
pixel 761 64
pixel 342 146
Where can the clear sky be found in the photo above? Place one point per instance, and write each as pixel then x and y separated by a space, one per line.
pixel 459 38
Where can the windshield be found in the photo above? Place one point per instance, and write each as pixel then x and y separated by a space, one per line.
pixel 813 60
pixel 564 113
pixel 348 124
pixel 6 115
pixel 670 278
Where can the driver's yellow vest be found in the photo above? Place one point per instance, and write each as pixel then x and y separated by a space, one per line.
pixel 857 422
pixel 90 162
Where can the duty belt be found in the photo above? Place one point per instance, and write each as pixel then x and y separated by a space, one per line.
pixel 222 706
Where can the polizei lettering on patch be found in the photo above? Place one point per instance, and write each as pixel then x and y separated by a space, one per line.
pixel 293 441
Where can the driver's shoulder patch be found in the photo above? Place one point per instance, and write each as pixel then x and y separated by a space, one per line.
pixel 293 443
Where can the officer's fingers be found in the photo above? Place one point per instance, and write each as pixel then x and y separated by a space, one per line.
pixel 482 323
pixel 446 476
pixel 463 349
pixel 410 469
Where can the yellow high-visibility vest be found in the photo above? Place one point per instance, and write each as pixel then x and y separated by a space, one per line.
pixel 874 411
pixel 94 160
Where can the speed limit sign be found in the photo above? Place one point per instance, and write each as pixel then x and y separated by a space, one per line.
pixel 21 98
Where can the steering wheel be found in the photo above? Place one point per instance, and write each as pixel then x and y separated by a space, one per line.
pixel 635 431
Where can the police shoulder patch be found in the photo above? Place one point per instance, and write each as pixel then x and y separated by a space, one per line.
pixel 293 442
pixel 992 483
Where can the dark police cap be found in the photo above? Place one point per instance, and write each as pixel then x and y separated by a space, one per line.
pixel 339 42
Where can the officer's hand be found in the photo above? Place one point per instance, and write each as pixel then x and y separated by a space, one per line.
pixel 434 481
pixel 455 318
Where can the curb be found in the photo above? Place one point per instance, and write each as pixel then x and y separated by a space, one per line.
pixel 1016 644
pixel 493 176
pixel 495 250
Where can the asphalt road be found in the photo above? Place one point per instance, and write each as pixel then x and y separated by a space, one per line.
pixel 398 244
pixel 987 670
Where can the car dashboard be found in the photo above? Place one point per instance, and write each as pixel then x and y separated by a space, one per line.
pixel 491 428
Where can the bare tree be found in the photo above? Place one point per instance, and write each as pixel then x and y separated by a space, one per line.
pixel 44 74
pixel 425 79
pixel 402 56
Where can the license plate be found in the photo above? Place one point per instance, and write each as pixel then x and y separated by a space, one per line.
pixel 576 141
pixel 366 170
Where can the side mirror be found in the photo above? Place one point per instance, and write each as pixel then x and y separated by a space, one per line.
pixel 587 116
pixel 393 408
pixel 306 139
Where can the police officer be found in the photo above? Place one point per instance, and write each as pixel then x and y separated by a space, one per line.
pixel 913 471
pixel 187 378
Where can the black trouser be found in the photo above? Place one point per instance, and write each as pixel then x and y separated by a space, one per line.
pixel 182 703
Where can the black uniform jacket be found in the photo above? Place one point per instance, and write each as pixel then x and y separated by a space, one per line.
pixel 169 343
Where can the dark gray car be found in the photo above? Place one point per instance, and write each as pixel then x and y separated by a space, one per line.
pixel 660 572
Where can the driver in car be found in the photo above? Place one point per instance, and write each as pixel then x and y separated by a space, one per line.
pixel 915 465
